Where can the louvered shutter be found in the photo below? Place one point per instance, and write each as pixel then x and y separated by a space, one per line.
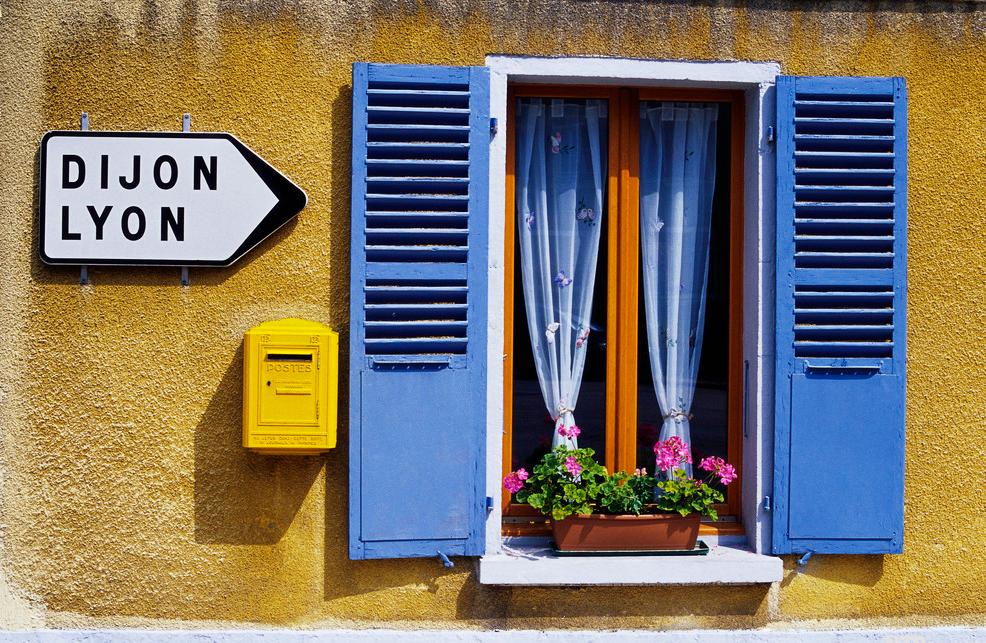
pixel 417 427
pixel 840 313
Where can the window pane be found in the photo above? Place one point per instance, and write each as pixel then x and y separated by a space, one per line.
pixel 561 168
pixel 684 187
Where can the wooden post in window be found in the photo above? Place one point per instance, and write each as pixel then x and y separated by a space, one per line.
pixel 735 402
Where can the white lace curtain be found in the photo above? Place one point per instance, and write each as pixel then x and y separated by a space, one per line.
pixel 561 172
pixel 677 179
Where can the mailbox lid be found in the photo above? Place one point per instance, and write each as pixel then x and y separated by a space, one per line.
pixel 291 383
pixel 292 326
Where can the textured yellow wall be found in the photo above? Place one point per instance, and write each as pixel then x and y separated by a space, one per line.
pixel 126 499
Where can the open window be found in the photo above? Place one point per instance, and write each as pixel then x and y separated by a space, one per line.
pixel 623 261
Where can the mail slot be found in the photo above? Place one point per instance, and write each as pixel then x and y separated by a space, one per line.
pixel 290 387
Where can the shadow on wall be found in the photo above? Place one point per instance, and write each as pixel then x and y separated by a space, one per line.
pixel 342 576
pixel 961 6
pixel 852 570
pixel 242 498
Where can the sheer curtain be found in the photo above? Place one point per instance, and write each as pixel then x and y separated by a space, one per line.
pixel 560 174
pixel 677 179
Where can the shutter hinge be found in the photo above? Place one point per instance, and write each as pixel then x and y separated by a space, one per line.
pixel 766 503
pixel 493 127
pixel 770 133
pixel 445 559
pixel 489 505
pixel 316 410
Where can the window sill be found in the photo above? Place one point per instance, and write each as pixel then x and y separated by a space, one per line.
pixel 530 561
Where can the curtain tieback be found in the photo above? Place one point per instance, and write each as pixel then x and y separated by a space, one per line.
pixel 678 415
pixel 562 409
pixel 549 332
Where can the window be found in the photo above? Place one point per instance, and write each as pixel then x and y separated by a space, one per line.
pixel 584 163
pixel 822 310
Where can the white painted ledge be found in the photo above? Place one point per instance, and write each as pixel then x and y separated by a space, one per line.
pixel 603 70
pixel 957 634
pixel 532 562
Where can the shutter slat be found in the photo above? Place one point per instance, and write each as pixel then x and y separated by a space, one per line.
pixel 418 98
pixel 840 324
pixel 839 176
pixel 403 150
pixel 419 133
pixel 404 272
pixel 419 184
pixel 417 253
pixel 422 168
pixel 840 158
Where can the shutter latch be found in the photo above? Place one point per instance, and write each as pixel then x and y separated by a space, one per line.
pixel 803 561
pixel 766 503
pixel 770 133
pixel 445 559
pixel 493 127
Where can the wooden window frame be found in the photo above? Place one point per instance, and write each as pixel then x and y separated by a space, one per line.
pixel 622 279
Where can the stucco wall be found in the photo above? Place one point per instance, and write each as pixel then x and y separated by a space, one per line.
pixel 126 498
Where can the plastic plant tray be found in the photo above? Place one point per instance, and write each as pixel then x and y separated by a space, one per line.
pixel 701 549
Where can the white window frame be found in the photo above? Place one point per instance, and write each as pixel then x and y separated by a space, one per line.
pixel 756 80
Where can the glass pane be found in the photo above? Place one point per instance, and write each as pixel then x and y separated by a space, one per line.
pixel 673 140
pixel 561 167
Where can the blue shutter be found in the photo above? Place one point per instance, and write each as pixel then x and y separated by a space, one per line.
pixel 418 312
pixel 840 313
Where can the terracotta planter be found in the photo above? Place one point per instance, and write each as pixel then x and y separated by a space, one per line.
pixel 600 532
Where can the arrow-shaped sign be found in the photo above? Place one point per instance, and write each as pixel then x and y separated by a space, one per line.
pixel 157 198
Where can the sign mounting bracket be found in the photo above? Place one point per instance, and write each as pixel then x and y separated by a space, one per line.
pixel 84 270
pixel 186 126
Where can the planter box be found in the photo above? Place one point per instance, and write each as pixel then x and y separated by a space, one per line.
pixel 653 532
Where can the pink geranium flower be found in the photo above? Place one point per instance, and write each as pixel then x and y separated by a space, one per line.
pixel 710 463
pixel 514 480
pixel 679 448
pixel 573 466
pixel 671 453
pixel 569 431
pixel 727 473
pixel 721 468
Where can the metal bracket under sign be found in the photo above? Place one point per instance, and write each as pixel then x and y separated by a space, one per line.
pixel 84 270
pixel 186 126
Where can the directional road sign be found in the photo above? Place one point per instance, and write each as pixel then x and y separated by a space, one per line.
pixel 157 198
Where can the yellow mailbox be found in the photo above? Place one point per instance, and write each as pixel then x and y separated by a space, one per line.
pixel 290 387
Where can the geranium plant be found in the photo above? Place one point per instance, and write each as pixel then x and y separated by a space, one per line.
pixel 570 482
pixel 682 493
pixel 565 482
pixel 625 493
